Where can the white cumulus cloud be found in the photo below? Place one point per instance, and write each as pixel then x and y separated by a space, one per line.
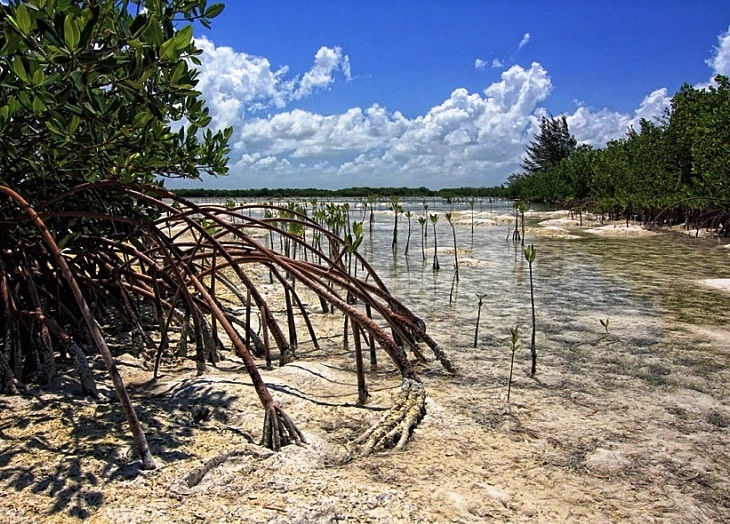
pixel 234 83
pixel 524 41
pixel 720 59
pixel 469 138
pixel 326 63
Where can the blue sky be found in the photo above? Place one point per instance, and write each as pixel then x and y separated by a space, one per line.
pixel 335 93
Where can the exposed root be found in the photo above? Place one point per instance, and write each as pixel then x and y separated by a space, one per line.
pixel 194 478
pixel 279 430
pixel 394 429
pixel 443 358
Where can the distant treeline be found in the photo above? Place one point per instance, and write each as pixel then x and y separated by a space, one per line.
pixel 350 192
pixel 672 170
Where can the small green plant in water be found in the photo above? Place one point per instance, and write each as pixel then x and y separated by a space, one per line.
pixel 456 256
pixel 604 323
pixel 514 346
pixel 435 218
pixel 479 316
pixel 530 256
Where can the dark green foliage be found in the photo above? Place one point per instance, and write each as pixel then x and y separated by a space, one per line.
pixel 676 169
pixel 90 90
pixel 550 146
pixel 373 193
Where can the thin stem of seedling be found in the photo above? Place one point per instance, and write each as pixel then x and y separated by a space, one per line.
pixel 479 316
pixel 514 346
pixel 435 218
pixel 456 256
pixel 530 255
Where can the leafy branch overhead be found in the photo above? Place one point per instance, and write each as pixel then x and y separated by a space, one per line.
pixel 103 91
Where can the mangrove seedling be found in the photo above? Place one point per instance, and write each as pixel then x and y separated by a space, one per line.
pixel 514 346
pixel 409 215
pixel 456 256
pixel 604 323
pixel 422 222
pixel 371 205
pixel 397 210
pixel 522 208
pixel 479 315
pixel 530 255
pixel 516 233
pixel 435 218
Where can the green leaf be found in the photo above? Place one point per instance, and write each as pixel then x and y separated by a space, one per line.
pixel 74 124
pixel 183 37
pixel 22 18
pixel 168 50
pixel 53 129
pixel 19 69
pixel 214 10
pixel 71 33
pixel 38 77
pixel 141 119
pixel 38 105
pixel 530 253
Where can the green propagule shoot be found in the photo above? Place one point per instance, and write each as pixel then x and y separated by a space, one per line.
pixel 435 218
pixel 605 323
pixel 530 256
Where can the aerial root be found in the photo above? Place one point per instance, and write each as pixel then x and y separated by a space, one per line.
pixel 444 359
pixel 394 429
pixel 194 478
pixel 279 430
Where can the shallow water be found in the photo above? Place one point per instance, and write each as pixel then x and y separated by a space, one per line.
pixel 645 286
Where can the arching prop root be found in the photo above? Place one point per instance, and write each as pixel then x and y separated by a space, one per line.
pixel 394 429
pixel 279 430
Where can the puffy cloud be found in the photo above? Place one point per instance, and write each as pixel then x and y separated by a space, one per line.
pixel 520 89
pixel 326 63
pixel 497 63
pixel 524 41
pixel 234 83
pixel 653 105
pixel 303 135
pixel 598 127
pixel 470 138
pixel 720 60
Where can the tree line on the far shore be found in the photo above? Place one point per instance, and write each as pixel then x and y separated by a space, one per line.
pixel 675 169
pixel 350 192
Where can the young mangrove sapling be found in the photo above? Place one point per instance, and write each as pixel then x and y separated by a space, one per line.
pixel 435 218
pixel 479 315
pixel 530 255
